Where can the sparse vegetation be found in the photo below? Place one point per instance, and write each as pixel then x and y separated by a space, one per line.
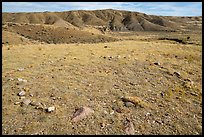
pixel 133 82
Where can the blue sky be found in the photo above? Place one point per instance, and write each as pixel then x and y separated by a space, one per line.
pixel 153 8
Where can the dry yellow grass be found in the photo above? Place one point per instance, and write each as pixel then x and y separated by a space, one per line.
pixel 68 76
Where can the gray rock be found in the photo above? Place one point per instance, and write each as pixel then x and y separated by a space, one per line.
pixel 50 109
pixel 129 104
pixel 34 103
pixel 26 101
pixel 22 93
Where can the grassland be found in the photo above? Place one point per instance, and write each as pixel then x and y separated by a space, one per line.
pixel 166 75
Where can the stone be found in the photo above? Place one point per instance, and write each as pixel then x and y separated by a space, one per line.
pixel 81 113
pixel 129 104
pixel 157 63
pixel 105 112
pixel 119 110
pixel 130 130
pixel 148 114
pixel 135 100
pixel 102 125
pixel 10 79
pixel 31 95
pixel 26 101
pixel 177 74
pixel 22 80
pixel 162 94
pixel 34 103
pixel 59 98
pixel 16 103
pixel 40 107
pixel 50 109
pixel 193 93
pixel 22 97
pixel 188 79
pixel 26 89
pixel 20 69
pixel 22 93
pixel 112 113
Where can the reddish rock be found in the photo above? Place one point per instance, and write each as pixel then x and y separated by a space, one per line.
pixel 81 113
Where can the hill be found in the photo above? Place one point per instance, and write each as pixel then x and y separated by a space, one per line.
pixel 89 26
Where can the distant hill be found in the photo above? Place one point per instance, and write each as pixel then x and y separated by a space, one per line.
pixel 81 24
pixel 115 20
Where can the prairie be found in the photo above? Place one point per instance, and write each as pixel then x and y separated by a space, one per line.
pixel 166 75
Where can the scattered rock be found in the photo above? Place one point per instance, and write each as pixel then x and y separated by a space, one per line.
pixel 112 113
pixel 26 101
pixel 130 130
pixel 135 100
pixel 105 112
pixel 129 104
pixel 194 94
pixel 105 46
pixel 162 94
pixel 22 93
pixel 59 98
pixel 20 69
pixel 177 74
pixel 157 63
pixel 131 83
pixel 16 103
pixel 50 109
pixel 22 80
pixel 10 79
pixel 119 110
pixel 53 98
pixel 110 57
pixel 41 108
pixel 31 95
pixel 22 97
pixel 34 103
pixel 188 84
pixel 102 125
pixel 148 114
pixel 178 97
pixel 81 113
pixel 188 79
pixel 159 122
pixel 26 89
